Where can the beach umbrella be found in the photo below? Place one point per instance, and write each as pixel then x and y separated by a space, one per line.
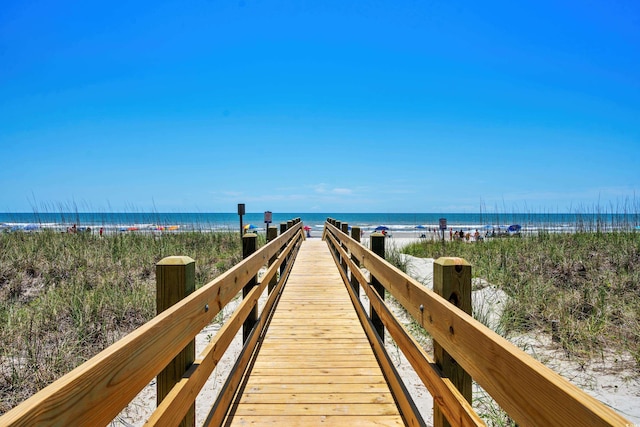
pixel 250 227
pixel 381 228
pixel 421 227
pixel 307 228
pixel 31 227
pixel 514 228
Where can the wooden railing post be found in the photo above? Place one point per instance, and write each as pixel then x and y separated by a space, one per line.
pixel 377 247
pixel 283 266
pixel 452 281
pixel 272 233
pixel 345 229
pixel 355 235
pixel 338 225
pixel 249 243
pixel 175 279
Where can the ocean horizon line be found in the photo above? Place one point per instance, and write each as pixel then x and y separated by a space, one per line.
pixel 128 221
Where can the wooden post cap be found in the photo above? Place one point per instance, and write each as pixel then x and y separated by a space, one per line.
pixel 451 260
pixel 176 260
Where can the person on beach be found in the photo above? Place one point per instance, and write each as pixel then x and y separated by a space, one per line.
pixel 101 229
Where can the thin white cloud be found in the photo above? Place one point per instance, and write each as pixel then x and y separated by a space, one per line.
pixel 345 191
pixel 320 188
pixel 325 189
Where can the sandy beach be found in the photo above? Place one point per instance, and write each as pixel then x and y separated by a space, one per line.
pixel 611 379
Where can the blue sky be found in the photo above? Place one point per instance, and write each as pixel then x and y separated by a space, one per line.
pixel 329 106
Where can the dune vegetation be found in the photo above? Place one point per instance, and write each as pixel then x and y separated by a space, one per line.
pixel 65 297
pixel 584 285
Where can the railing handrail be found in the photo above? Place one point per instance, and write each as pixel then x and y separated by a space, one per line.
pixel 531 393
pixel 95 392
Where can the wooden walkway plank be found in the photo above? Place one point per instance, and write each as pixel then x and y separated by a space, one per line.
pixel 315 365
pixel 325 421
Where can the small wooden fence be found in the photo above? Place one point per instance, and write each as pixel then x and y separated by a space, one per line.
pixel 531 393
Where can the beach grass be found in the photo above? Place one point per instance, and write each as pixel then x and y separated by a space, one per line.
pixel 65 297
pixel 582 288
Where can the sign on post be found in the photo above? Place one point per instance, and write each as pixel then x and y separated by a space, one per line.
pixel 267 220
pixel 443 226
pixel 241 212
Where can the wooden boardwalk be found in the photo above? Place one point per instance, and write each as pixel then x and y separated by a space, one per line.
pixel 315 365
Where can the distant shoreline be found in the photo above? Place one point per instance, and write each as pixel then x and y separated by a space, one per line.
pixel 397 222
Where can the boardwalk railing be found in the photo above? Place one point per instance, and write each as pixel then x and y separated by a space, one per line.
pixel 528 391
pixel 98 390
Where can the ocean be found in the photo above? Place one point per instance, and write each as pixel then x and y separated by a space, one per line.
pixel 160 222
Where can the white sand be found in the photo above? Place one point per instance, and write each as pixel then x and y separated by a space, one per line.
pixel 612 379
